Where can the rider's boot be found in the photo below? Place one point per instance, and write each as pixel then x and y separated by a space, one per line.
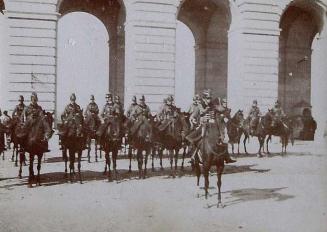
pixel 228 159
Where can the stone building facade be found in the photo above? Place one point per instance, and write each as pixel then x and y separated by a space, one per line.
pixel 244 49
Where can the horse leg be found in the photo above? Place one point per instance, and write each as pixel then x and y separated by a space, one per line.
pixel 267 143
pixel 139 162
pixel 71 163
pixel 39 160
pixel 206 179
pixel 16 157
pixel 176 158
pixel 31 171
pixel 89 150
pixel 79 166
pixel 130 155
pixel 261 145
pixel 65 158
pixel 106 163
pixel 244 144
pixel 96 150
pixel 171 157
pixel 197 171
pixel 13 153
pixel 233 148
pixel 220 169
pixel 152 156
pixel 114 161
pixel 183 158
pixel 160 157
pixel 109 163
pixel 21 161
pixel 145 162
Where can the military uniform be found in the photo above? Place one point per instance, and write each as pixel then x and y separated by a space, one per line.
pixel 92 108
pixel 70 111
pixel 253 117
pixel 210 127
pixel 110 110
pixel 194 112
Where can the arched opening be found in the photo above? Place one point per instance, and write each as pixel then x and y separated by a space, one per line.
pixel 185 66
pixel 83 57
pixel 209 22
pixel 299 25
pixel 112 14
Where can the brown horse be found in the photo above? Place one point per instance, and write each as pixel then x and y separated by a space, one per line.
pixel 209 153
pixel 282 129
pixel 72 137
pixel 110 136
pixel 171 135
pixel 92 123
pixel 261 131
pixel 35 133
pixel 2 140
pixel 235 130
pixel 141 139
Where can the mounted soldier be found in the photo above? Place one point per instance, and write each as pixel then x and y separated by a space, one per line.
pixel 131 110
pixel 19 109
pixel 169 111
pixel 194 112
pixel 160 116
pixel 92 108
pixel 278 114
pixel 33 110
pixel 119 106
pixel 6 120
pixel 71 109
pixel 223 114
pixel 110 109
pixel 253 116
pixel 142 114
pixel 209 125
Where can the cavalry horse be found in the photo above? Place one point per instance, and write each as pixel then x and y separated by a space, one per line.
pixel 282 128
pixel 92 123
pixel 208 152
pixel 16 125
pixel 2 140
pixel 260 131
pixel 35 133
pixel 110 137
pixel 171 134
pixel 140 138
pixel 72 138
pixel 235 130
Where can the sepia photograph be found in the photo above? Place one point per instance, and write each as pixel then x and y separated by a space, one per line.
pixel 163 115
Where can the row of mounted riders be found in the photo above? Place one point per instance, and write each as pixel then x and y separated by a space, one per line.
pixel 144 134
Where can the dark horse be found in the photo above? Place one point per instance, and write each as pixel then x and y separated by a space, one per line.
pixel 171 134
pixel 282 128
pixel 35 133
pixel 209 153
pixel 141 139
pixel 72 140
pixel 2 140
pixel 110 137
pixel 92 123
pixel 260 131
pixel 15 125
pixel 235 130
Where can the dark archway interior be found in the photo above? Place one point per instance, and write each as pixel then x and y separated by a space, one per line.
pixel 299 26
pixel 209 21
pixel 112 14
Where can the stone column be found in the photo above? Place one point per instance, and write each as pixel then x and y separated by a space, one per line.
pixel 254 54
pixel 150 51
pixel 32 51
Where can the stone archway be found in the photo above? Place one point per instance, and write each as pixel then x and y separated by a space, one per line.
pixel 112 14
pixel 299 25
pixel 209 20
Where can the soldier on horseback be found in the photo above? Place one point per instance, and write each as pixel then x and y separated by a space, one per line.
pixel 19 109
pixel 119 106
pixel 223 114
pixel 194 112
pixel 92 108
pixel 169 111
pixel 131 110
pixel 110 109
pixel 278 114
pixel 71 109
pixel 209 124
pixel 33 110
pixel 253 116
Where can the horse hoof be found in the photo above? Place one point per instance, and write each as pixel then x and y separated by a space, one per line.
pixel 259 156
pixel 220 205
pixel 20 176
pixel 16 165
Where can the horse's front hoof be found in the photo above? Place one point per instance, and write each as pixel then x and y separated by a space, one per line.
pixel 30 185
pixel 20 176
pixel 220 205
pixel 259 156
pixel 16 165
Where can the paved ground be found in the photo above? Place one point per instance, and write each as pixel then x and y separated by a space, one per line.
pixel 277 193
